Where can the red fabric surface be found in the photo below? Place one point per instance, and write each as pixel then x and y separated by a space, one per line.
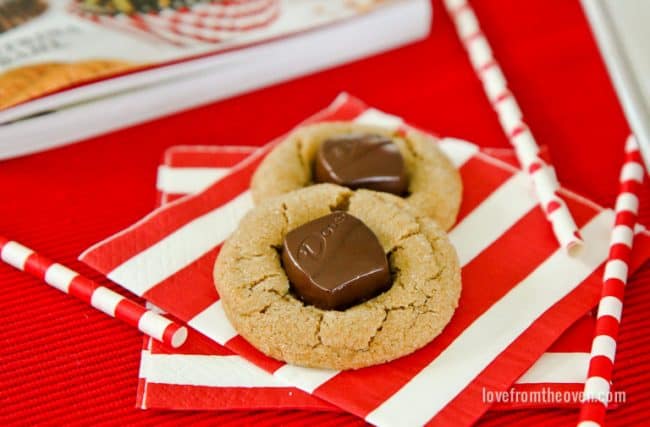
pixel 64 362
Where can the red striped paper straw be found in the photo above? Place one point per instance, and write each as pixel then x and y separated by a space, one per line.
pixel 100 297
pixel 603 348
pixel 511 119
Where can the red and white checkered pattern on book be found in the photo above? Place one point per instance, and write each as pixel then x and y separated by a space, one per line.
pixel 520 290
pixel 212 22
pixel 204 375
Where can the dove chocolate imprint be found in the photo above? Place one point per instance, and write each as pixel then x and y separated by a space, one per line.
pixel 362 161
pixel 335 262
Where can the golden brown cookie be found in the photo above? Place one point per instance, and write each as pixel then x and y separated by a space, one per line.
pixel 257 298
pixel 434 188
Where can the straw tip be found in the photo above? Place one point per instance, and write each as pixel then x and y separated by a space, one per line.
pixel 179 337
pixel 574 247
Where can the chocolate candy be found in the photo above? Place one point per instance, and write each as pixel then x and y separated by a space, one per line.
pixel 335 262
pixel 361 161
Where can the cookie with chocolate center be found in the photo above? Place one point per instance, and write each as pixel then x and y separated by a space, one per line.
pixel 329 277
pixel 408 164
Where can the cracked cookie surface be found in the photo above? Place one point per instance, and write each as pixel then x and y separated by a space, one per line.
pixel 435 187
pixel 257 299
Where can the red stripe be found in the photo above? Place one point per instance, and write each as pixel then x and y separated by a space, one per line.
pixel 576 339
pixel 172 294
pixel 518 130
pixel 173 197
pixel 552 206
pixel 625 217
pixel 37 265
pixel 476 35
pixel 82 288
pixel 619 251
pixel 634 157
pixel 129 312
pixel 240 346
pixel 594 411
pixel 491 63
pixel 534 167
pixel 113 252
pixel 629 186
pixel 165 396
pixel 502 97
pixel 607 325
pixel 614 288
pixel 600 366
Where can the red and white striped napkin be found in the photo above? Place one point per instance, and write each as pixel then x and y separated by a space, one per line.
pixel 520 290
pixel 202 375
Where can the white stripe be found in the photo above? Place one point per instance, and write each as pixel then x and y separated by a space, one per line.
pixel 204 370
pixel 526 148
pixel 105 300
pixel 627 202
pixel 182 247
pixel 494 82
pixel 561 368
pixel 597 388
pixel 374 117
pixel 467 23
pixel 213 322
pixel 615 269
pixel 307 379
pixel 153 324
pixel 60 277
pixel 458 151
pixel 631 144
pixel 473 350
pixel 479 51
pixel 622 234
pixel 545 186
pixel 604 345
pixel 15 254
pixel 632 171
pixel 610 306
pixel 485 224
pixel 509 114
pixel 454 4
pixel 187 180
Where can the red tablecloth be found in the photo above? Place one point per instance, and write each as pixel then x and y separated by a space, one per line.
pixel 63 362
